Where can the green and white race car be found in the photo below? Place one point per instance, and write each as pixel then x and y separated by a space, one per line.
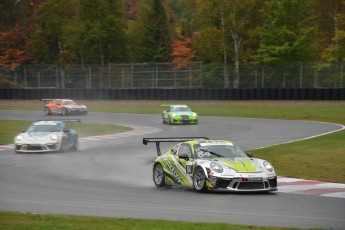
pixel 203 164
pixel 179 114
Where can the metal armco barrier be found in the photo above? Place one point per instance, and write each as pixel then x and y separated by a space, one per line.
pixel 176 94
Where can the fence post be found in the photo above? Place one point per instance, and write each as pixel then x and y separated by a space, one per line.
pixel 57 77
pixel 263 77
pixel 301 76
pixel 200 74
pixel 190 76
pixel 155 77
pixel 38 79
pixel 132 74
pixel 25 77
pixel 16 79
pixel 109 76
pixel 341 75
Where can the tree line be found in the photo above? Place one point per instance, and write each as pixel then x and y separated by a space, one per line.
pixel 277 32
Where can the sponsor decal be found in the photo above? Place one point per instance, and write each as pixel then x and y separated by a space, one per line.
pixel 166 161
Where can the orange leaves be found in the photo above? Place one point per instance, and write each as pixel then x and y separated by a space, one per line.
pixel 182 51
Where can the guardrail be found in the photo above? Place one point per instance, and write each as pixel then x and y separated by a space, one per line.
pixel 176 94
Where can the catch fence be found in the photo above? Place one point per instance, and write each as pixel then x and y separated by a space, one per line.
pixel 175 75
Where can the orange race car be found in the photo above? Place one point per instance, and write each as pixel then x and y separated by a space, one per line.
pixel 63 107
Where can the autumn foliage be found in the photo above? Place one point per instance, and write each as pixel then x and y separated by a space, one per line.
pixel 182 51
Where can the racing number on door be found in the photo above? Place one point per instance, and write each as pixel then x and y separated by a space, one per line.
pixel 188 169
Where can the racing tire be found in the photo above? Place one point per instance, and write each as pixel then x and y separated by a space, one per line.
pixel 64 112
pixel 75 146
pixel 47 111
pixel 62 148
pixel 168 121
pixel 199 180
pixel 159 176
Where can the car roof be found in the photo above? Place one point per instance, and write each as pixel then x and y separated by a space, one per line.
pixel 178 105
pixel 210 142
pixel 60 123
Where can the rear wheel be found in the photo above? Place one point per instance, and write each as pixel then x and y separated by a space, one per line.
pixel 47 111
pixel 158 176
pixel 199 180
pixel 64 112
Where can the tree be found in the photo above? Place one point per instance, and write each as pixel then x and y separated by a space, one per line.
pixel 182 51
pixel 46 41
pixel 14 47
pixel 335 49
pixel 289 32
pixel 152 33
pixel 99 32
pixel 223 29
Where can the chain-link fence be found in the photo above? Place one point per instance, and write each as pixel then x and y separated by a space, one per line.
pixel 175 75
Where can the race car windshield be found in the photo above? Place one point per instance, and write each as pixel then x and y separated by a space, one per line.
pixel 180 109
pixel 214 151
pixel 69 103
pixel 44 128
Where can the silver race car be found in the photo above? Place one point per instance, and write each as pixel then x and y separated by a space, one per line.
pixel 203 164
pixel 47 136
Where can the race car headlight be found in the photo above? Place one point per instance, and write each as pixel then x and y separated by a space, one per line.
pixel 268 166
pixel 19 138
pixel 54 137
pixel 173 114
pixel 194 114
pixel 216 167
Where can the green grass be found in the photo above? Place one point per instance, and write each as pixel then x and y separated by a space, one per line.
pixel 16 221
pixel 10 128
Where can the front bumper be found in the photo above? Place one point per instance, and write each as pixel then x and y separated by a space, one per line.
pixel 36 148
pixel 182 120
pixel 257 184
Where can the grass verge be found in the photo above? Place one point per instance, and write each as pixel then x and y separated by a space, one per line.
pixel 13 221
pixel 10 128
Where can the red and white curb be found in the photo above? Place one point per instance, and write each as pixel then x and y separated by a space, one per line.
pixel 310 187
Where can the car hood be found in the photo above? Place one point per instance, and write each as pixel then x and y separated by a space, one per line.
pixel 183 113
pixel 241 164
pixel 38 135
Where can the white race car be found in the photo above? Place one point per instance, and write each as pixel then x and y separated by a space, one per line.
pixel 203 164
pixel 47 136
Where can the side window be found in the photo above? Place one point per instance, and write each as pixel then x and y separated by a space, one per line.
pixel 185 148
pixel 175 150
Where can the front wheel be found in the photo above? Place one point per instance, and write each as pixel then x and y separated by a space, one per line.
pixel 64 112
pixel 199 180
pixel 75 146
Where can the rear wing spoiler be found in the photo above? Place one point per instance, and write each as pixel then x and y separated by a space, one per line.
pixel 61 119
pixel 46 100
pixel 158 140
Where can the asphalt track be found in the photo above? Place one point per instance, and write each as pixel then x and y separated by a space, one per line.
pixel 111 176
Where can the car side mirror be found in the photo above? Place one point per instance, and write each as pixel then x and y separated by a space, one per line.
pixel 184 156
pixel 249 154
